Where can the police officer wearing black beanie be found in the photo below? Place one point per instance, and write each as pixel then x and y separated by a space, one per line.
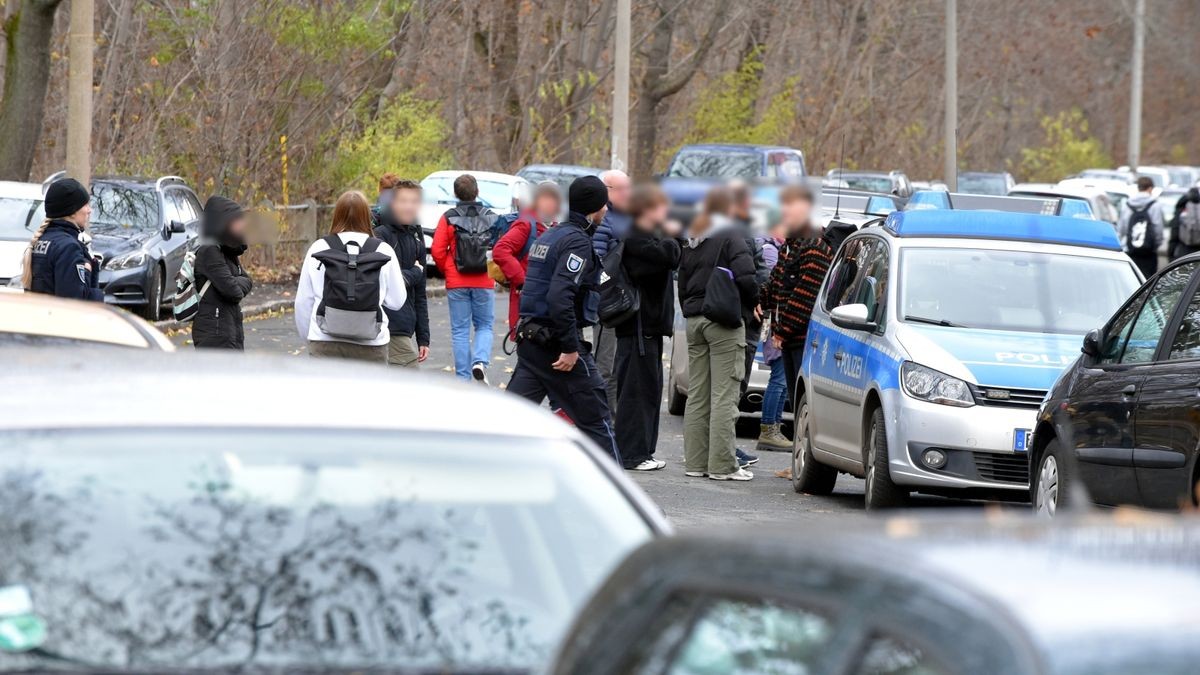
pixel 557 302
pixel 58 261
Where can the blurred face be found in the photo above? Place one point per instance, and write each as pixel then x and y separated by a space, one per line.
pixel 619 187
pixel 547 208
pixel 237 227
pixel 406 205
pixel 794 215
pixel 654 217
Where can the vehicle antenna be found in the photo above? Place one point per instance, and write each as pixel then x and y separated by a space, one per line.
pixel 837 207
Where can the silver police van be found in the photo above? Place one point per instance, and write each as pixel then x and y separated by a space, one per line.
pixel 933 341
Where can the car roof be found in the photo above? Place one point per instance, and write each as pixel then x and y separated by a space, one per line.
pixel 18 190
pixel 491 176
pixel 736 146
pixel 1076 578
pixel 48 316
pixel 999 225
pixel 562 167
pixel 128 388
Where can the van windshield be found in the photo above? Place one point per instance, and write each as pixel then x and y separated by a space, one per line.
pixel 1025 291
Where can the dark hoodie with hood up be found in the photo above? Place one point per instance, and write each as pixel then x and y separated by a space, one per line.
pixel 218 322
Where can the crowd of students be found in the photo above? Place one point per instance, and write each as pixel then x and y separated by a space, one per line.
pixel 362 295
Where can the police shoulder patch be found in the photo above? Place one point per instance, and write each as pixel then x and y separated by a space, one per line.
pixel 574 263
pixel 82 269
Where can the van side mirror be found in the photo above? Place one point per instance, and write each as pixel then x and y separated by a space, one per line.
pixel 853 317
pixel 1091 343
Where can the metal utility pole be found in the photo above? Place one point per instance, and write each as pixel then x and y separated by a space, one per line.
pixel 80 43
pixel 1135 94
pixel 620 113
pixel 951 166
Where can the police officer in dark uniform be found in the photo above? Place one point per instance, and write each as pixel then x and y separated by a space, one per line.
pixel 557 302
pixel 59 261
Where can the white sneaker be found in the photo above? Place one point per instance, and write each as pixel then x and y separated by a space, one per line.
pixel 695 474
pixel 740 474
pixel 479 372
pixel 649 465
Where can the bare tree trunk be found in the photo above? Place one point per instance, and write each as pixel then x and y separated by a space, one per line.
pixel 26 76
pixel 660 81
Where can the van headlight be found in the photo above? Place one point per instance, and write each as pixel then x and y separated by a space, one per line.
pixel 127 261
pixel 927 384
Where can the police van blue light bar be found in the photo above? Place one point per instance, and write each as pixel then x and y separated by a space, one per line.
pixel 934 222
pixel 1046 206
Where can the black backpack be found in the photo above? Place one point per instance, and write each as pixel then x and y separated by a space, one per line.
pixel 619 298
pixel 472 237
pixel 1138 237
pixel 350 305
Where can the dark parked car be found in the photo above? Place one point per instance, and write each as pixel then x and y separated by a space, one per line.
pixel 1123 422
pixel 696 168
pixel 902 597
pixel 142 227
pixel 240 524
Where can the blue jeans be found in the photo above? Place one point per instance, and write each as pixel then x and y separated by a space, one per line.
pixel 471 307
pixel 775 397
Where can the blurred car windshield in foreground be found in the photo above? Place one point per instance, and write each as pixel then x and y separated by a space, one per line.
pixel 245 548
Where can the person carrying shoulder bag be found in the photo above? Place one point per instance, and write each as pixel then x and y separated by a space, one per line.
pixel 716 288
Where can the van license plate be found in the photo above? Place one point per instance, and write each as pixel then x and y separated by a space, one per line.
pixel 1021 439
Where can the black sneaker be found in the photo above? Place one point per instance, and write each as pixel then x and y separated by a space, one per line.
pixel 479 372
pixel 745 458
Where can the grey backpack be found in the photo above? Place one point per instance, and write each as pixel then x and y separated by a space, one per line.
pixel 350 305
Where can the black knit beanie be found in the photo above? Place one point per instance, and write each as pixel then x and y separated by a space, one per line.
pixel 64 197
pixel 587 195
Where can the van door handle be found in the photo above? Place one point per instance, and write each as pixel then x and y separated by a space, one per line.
pixel 1129 391
pixel 814 345
pixel 838 355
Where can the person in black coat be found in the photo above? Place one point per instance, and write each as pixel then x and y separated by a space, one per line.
pixel 399 227
pixel 716 351
pixel 650 258
pixel 220 279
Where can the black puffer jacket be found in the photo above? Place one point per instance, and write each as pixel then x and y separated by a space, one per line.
pixel 218 322
pixel 409 243
pixel 722 246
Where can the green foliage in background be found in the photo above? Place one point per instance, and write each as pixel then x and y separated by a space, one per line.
pixel 726 110
pixel 408 138
pixel 1067 148
pixel 327 31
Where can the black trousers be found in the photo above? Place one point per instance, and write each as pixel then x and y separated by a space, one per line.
pixel 639 374
pixel 580 392
pixel 1146 262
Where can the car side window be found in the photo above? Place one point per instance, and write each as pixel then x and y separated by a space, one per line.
pixel 853 277
pixel 891 655
pixel 1186 343
pixel 193 204
pixel 1156 312
pixel 1117 331
pixel 172 211
pixel 696 634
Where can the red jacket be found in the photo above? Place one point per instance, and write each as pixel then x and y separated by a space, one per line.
pixel 507 254
pixel 442 251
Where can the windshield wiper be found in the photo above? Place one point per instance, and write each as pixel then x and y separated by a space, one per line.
pixel 935 322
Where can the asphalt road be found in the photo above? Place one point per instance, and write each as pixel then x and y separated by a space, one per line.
pixel 688 502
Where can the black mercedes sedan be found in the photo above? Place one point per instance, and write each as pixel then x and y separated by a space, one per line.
pixel 1122 425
